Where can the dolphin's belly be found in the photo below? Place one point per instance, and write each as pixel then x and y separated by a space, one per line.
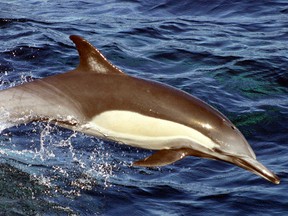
pixel 144 131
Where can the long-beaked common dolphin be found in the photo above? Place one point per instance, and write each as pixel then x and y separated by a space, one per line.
pixel 99 99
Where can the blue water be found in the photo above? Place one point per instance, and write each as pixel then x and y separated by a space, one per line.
pixel 231 54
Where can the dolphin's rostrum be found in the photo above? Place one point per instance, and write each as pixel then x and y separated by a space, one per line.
pixel 99 99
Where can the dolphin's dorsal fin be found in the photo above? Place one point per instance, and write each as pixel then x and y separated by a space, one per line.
pixel 91 60
pixel 162 158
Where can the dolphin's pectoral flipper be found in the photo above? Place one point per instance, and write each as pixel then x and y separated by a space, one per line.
pixel 162 158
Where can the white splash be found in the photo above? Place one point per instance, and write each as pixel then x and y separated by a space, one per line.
pixel 4 116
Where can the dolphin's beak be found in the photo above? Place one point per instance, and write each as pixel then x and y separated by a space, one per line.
pixel 254 166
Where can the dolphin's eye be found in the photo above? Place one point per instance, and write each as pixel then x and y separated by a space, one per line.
pixel 233 128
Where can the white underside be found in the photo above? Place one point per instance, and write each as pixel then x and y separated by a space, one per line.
pixel 145 132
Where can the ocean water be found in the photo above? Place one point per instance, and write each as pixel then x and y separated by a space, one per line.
pixel 231 54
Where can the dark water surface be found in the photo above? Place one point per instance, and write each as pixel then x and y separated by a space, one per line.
pixel 232 54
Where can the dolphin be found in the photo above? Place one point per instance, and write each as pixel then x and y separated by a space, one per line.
pixel 99 99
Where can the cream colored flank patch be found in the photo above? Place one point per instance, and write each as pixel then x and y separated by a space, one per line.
pixel 146 132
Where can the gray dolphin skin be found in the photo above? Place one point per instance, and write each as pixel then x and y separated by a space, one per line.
pixel 99 99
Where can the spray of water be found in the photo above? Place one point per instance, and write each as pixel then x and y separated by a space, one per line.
pixel 64 161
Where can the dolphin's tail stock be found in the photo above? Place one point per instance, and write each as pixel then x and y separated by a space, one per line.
pixel 39 100
pixel 10 109
pixel 256 167
pixel 20 104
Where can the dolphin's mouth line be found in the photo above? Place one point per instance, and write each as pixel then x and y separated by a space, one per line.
pixel 257 168
pixel 249 164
